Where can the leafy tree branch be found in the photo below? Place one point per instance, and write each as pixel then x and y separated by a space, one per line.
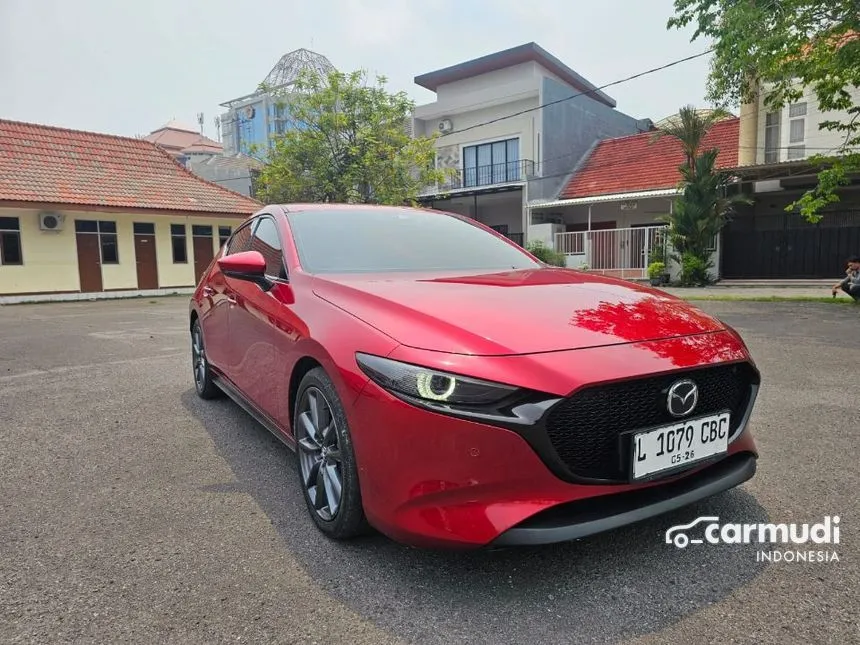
pixel 783 49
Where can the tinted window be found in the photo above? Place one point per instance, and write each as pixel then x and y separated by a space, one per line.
pixel 177 238
pixel 240 241
pixel 86 226
pixel 267 242
pixel 110 252
pixel 201 231
pixel 398 239
pixel 10 241
pixel 142 228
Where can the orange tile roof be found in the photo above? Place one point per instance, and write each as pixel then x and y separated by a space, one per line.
pixel 633 163
pixel 175 138
pixel 49 165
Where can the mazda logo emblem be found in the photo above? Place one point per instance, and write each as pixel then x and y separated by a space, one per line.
pixel 683 397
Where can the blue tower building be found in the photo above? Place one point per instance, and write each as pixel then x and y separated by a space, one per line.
pixel 252 120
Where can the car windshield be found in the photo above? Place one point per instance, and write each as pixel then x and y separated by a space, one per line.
pixel 398 239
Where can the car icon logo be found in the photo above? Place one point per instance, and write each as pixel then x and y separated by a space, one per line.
pixel 682 398
pixel 676 535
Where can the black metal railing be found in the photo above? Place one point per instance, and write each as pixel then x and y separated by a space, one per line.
pixel 489 175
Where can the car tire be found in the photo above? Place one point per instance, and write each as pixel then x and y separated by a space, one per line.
pixel 325 459
pixel 204 384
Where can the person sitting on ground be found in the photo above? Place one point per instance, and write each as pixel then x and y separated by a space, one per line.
pixel 850 284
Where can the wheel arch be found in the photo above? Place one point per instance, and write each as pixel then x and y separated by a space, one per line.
pixel 304 365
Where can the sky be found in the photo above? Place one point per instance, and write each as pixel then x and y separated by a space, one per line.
pixel 127 67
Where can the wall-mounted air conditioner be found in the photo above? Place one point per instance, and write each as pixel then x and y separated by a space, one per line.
pixel 51 221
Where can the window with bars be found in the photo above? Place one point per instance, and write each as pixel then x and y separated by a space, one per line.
pixel 796 110
pixel 796 130
pixel 796 123
pixel 179 243
pixel 771 137
pixel 10 241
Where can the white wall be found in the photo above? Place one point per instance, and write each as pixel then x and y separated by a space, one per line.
pixel 523 127
pixel 816 141
pixel 500 86
pixel 647 210
pixel 544 233
pixel 484 98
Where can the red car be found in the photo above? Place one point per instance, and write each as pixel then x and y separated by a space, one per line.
pixel 442 385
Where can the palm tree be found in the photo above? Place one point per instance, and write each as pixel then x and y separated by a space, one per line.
pixel 690 127
pixel 703 207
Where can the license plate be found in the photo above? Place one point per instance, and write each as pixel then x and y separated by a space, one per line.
pixel 680 444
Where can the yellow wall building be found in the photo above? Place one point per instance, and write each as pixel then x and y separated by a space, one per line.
pixel 97 215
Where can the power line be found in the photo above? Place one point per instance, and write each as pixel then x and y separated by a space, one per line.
pixel 586 164
pixel 588 92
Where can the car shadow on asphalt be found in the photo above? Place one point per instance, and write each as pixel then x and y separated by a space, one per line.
pixel 619 584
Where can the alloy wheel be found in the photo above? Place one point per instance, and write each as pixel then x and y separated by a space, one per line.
pixel 198 357
pixel 319 453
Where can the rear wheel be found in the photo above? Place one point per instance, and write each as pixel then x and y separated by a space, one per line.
pixel 326 461
pixel 203 382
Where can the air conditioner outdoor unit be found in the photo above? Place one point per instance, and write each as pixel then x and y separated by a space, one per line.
pixel 51 221
pixel 445 125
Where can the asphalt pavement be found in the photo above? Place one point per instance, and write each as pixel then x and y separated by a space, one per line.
pixel 133 512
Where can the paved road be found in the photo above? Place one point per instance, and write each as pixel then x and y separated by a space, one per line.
pixel 132 512
pixel 759 293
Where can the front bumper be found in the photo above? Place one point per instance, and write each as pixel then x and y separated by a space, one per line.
pixel 435 481
pixel 580 519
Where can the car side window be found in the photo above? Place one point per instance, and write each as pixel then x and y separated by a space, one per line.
pixel 240 241
pixel 267 241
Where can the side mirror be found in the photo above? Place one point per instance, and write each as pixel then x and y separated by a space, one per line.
pixel 248 265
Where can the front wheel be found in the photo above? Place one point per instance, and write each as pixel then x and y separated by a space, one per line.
pixel 203 382
pixel 326 461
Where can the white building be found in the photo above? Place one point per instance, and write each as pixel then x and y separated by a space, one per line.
pixel 790 133
pixel 512 124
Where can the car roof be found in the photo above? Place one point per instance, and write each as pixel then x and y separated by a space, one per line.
pixel 295 208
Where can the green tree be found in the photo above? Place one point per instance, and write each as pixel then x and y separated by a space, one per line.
pixel 703 207
pixel 783 48
pixel 346 141
pixel 690 127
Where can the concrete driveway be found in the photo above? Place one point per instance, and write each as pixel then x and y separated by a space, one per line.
pixel 133 512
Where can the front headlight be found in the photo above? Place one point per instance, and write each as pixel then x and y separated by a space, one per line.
pixel 461 395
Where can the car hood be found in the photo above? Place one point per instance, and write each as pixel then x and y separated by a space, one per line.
pixel 516 312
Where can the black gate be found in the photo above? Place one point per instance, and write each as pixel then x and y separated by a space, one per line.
pixel 784 245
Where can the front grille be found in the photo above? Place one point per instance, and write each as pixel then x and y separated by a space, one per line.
pixel 584 429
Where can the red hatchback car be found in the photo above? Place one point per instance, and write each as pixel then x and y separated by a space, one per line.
pixel 442 385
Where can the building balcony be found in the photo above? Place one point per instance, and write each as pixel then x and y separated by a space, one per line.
pixel 484 177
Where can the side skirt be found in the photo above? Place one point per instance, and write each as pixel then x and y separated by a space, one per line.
pixel 258 415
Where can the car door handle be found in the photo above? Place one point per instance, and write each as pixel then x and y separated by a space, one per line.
pixel 208 291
